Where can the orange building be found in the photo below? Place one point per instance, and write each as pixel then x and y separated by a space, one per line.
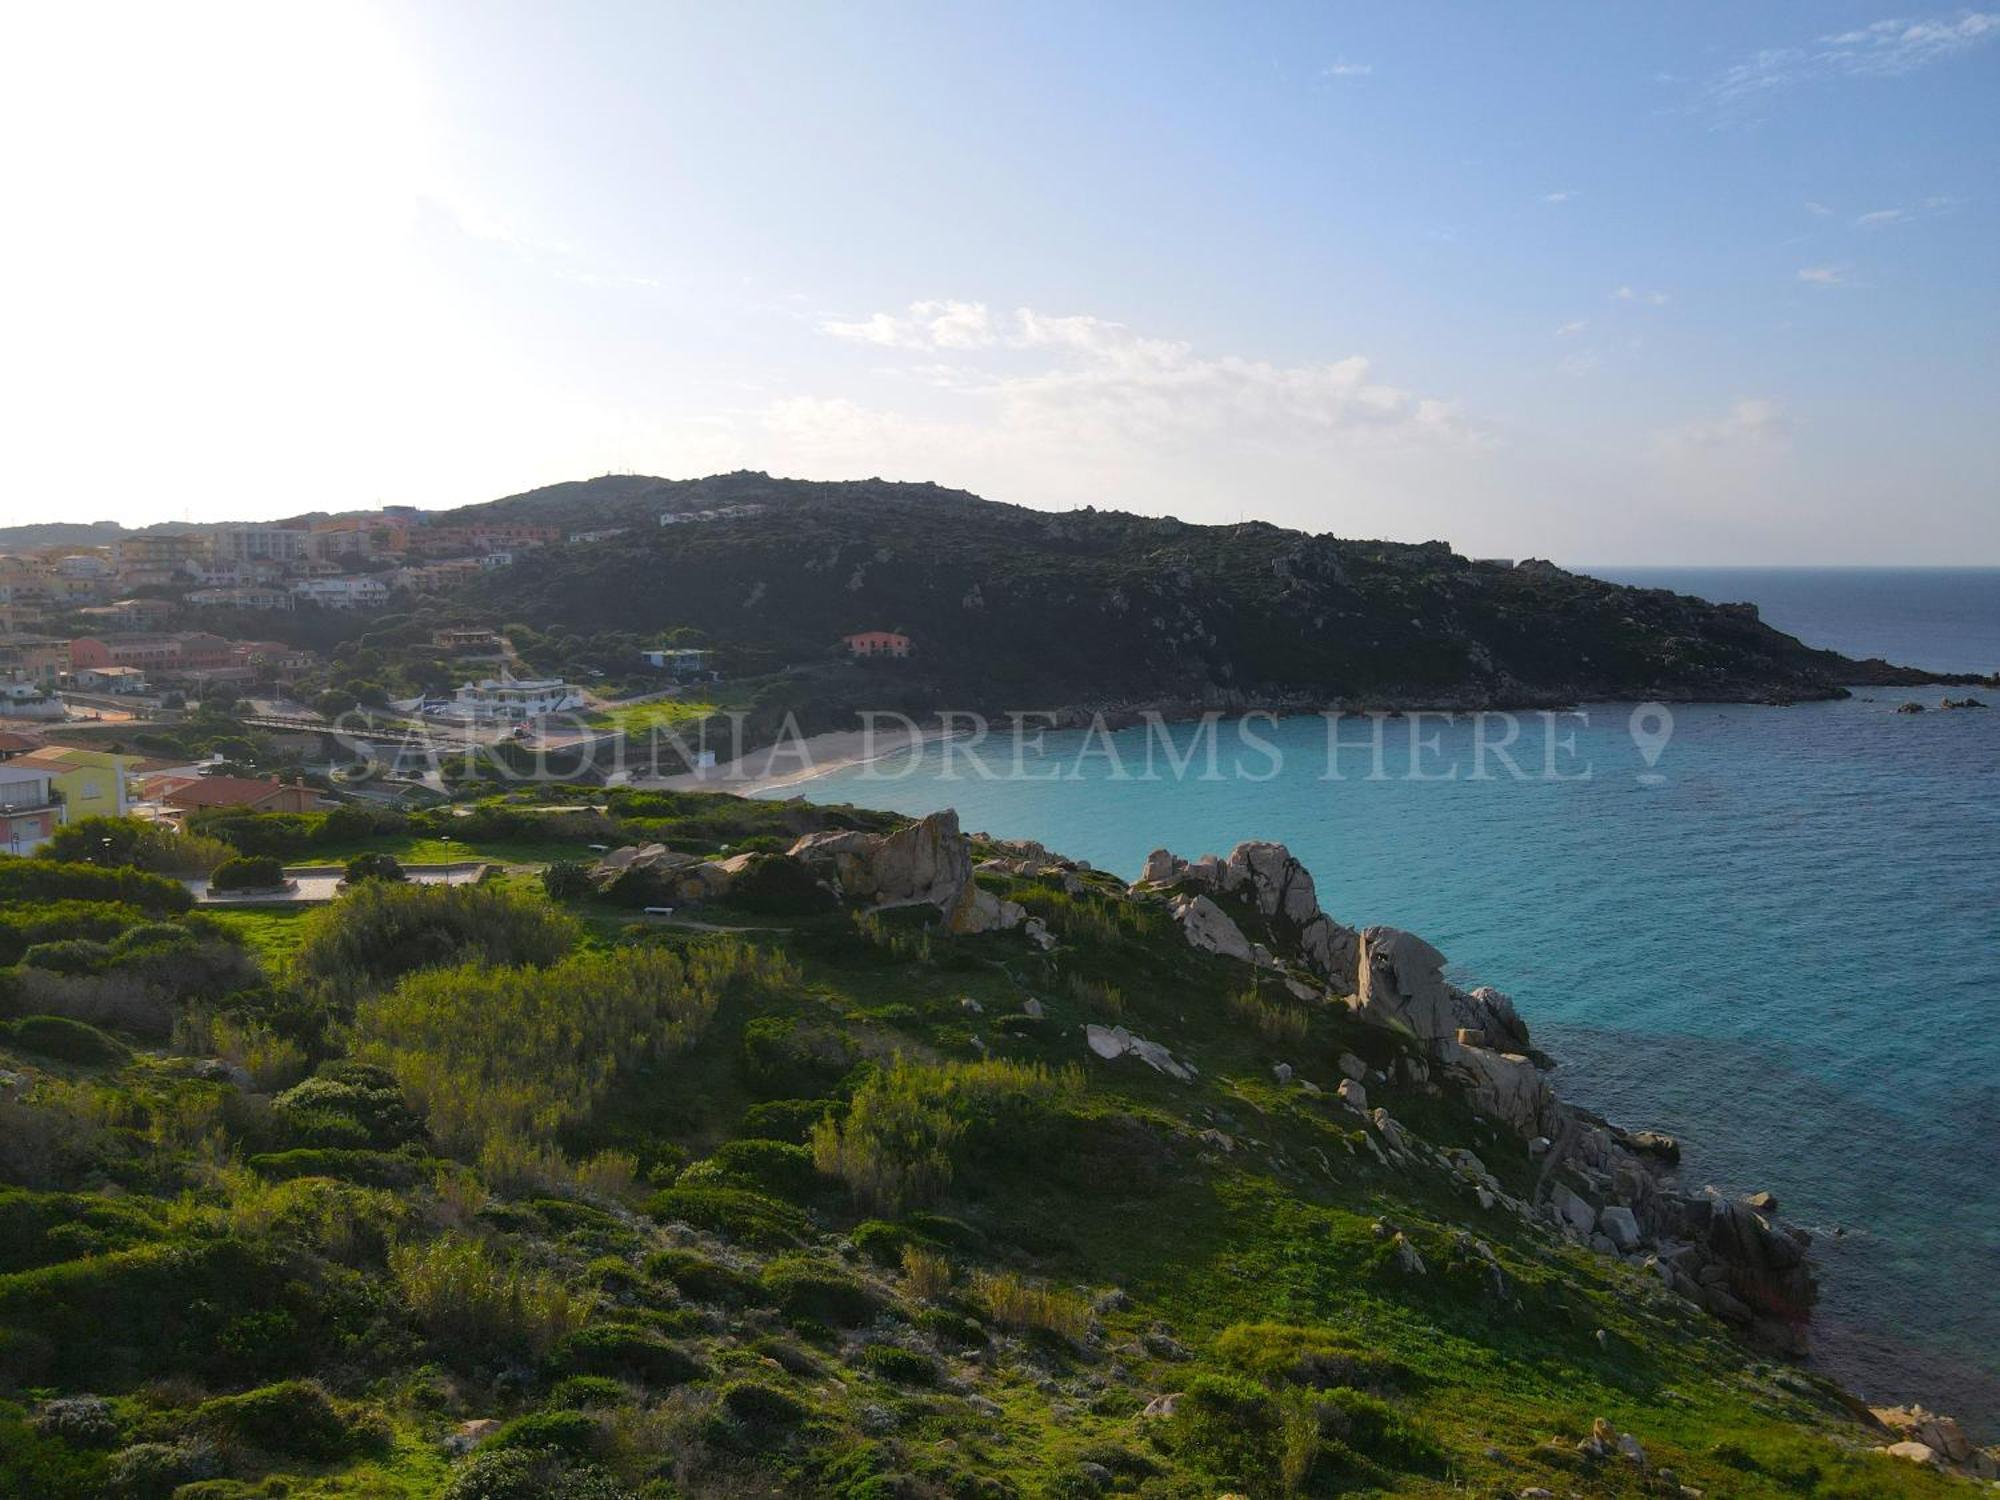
pixel 877 643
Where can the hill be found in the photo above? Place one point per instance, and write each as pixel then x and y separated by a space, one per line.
pixel 1012 607
pixel 921 1166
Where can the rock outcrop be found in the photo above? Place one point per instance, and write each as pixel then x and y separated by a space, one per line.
pixel 1601 1186
pixel 928 862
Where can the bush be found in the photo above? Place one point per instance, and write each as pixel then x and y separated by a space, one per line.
pixel 492 1054
pixel 950 1327
pixel 907 1129
pixel 39 1229
pixel 369 1168
pixel 616 1349
pixel 65 1040
pixel 736 1213
pixel 881 1241
pixel 1030 1308
pixel 383 930
pixel 70 956
pixel 761 1407
pixel 30 880
pixel 24 924
pixel 295 1418
pixel 373 867
pixel 1372 1427
pixel 153 1471
pixel 566 880
pixel 771 1166
pixel 153 847
pixel 82 1421
pixel 696 1276
pixel 587 1393
pixel 572 1432
pixel 785 1058
pixel 900 1365
pixel 1318 1357
pixel 467 1298
pixel 247 873
pixel 789 1120
pixel 804 1288
pixel 1228 1428
pixel 515 1474
pixel 776 886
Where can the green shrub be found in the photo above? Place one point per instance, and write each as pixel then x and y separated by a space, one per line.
pixel 153 1471
pixel 468 1298
pixel 768 1166
pixel 903 1366
pixel 804 1288
pixel 272 835
pixel 761 1407
pixel 587 1393
pixel 751 1218
pixel 295 1417
pixel 951 1327
pixel 572 1432
pixel 382 930
pixel 247 873
pixel 696 1276
pixel 776 886
pixel 1029 1307
pixel 786 1058
pixel 373 866
pixel 544 1474
pixel 1317 1357
pixel 908 1129
pixel 617 1349
pixel 82 1421
pixel 63 1039
pixel 153 847
pixel 32 880
pixel 497 1054
pixel 39 1229
pixel 882 1241
pixel 26 923
pixel 71 956
pixel 348 1103
pixel 789 1120
pixel 1227 1427
pixel 370 1168
pixel 566 880
pixel 1372 1427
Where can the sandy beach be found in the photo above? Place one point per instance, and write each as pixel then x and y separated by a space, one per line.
pixel 792 762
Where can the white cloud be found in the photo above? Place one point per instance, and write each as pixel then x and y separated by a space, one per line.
pixel 1881 217
pixel 1572 328
pixel 1346 69
pixel 1883 49
pixel 1824 276
pixel 1818 209
pixel 926 325
pixel 1631 294
pixel 1750 422
pixel 1561 195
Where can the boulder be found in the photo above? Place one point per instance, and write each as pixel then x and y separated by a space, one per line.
pixel 1573 1210
pixel 1160 865
pixel 1113 1042
pixel 1506 1086
pixel 1208 927
pixel 1620 1226
pixel 1916 1453
pixel 1353 1095
pixel 1353 1067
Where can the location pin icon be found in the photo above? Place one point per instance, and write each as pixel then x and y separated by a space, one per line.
pixel 1651 726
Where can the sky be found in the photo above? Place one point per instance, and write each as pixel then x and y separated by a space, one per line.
pixel 1699 283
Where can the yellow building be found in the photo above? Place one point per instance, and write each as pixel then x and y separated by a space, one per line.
pixel 93 783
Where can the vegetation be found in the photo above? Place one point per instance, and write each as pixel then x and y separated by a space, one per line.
pixel 288 1200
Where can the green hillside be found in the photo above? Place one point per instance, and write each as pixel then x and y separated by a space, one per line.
pixel 1007 1187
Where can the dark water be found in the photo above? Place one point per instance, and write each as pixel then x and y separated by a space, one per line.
pixel 1783 945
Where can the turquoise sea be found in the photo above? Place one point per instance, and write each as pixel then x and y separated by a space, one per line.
pixel 1779 939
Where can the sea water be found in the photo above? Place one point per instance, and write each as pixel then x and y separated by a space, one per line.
pixel 1772 932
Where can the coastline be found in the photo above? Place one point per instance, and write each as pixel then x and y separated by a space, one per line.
pixel 789 763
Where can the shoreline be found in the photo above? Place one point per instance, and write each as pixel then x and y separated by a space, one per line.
pixel 755 773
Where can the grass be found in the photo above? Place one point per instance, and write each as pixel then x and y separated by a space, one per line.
pixel 655 713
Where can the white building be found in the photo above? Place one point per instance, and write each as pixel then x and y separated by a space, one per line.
pixel 30 809
pixel 359 592
pixel 253 543
pixel 508 699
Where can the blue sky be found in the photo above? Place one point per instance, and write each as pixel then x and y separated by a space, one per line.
pixel 1710 283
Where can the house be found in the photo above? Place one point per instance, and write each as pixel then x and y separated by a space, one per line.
pixel 42 658
pixel 358 591
pixel 110 680
pixel 12 744
pixel 30 807
pixel 282 544
pixel 243 596
pixel 160 655
pixel 682 661
pixel 877 643
pixel 198 793
pixel 131 614
pixel 91 782
pixel 150 550
pixel 508 699
pixel 602 534
pixel 471 639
